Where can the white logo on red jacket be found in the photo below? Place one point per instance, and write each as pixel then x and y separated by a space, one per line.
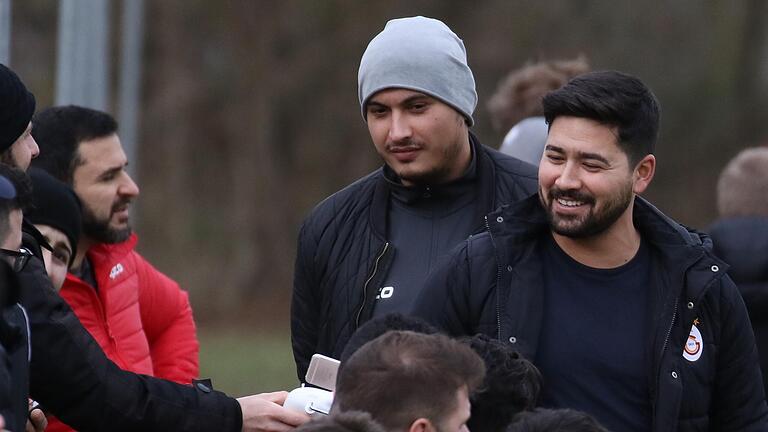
pixel 116 270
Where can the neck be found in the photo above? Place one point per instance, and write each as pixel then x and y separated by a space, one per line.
pixel 610 249
pixel 83 246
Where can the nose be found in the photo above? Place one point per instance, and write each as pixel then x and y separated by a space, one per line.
pixel 128 187
pixel 569 177
pixel 400 128
pixel 34 149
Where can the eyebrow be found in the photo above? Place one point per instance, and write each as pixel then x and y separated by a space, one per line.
pixel 408 100
pixel 581 155
pixel 113 170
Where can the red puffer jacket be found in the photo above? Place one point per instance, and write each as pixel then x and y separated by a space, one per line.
pixel 140 317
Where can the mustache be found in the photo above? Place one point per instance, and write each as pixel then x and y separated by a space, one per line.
pixel 573 195
pixel 407 143
pixel 121 204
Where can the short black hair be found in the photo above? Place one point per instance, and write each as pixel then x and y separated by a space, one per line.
pixel 60 130
pixel 614 99
pixel 380 325
pixel 512 384
pixel 555 420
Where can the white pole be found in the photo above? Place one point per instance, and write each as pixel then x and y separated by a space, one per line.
pixel 5 32
pixel 130 80
pixel 83 54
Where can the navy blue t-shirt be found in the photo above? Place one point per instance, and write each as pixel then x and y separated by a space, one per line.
pixel 592 352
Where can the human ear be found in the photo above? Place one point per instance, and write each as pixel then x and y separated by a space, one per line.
pixel 421 425
pixel 643 173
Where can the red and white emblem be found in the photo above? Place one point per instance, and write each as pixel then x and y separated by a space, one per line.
pixel 694 346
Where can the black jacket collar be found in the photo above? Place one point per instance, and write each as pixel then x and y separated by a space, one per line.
pixel 483 180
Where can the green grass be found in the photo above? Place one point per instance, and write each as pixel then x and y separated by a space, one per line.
pixel 243 361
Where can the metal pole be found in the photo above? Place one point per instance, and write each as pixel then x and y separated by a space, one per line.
pixel 5 32
pixel 132 28
pixel 83 57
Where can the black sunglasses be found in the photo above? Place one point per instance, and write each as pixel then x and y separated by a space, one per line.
pixel 20 258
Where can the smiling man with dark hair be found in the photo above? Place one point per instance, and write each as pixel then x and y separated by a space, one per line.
pixel 627 314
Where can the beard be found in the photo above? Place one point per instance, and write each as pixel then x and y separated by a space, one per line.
pixel 442 166
pixel 594 222
pixel 98 228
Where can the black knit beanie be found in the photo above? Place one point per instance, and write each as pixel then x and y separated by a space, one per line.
pixel 17 105
pixel 56 205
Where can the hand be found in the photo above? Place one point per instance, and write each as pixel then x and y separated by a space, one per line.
pixel 36 421
pixel 264 413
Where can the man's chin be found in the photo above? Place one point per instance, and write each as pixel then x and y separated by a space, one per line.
pixel 108 234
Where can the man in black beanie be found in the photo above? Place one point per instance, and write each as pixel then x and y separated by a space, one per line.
pixel 17 146
pixel 70 374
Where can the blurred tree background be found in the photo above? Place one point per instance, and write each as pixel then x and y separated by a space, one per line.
pixel 250 114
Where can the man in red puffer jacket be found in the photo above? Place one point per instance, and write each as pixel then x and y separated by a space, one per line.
pixel 140 317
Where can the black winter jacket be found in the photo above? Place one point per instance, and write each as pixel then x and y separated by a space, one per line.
pixel 14 352
pixel 742 242
pixel 72 378
pixel 491 285
pixel 343 253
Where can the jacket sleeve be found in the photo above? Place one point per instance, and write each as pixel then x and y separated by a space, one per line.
pixel 739 397
pixel 444 300
pixel 305 314
pixel 72 378
pixel 166 317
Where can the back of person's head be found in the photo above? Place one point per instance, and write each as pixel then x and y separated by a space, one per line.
pixel 555 420
pixel 60 130
pixel 518 96
pixel 15 194
pixel 380 325
pixel 420 54
pixel 403 376
pixel 612 99
pixel 742 189
pixel 512 384
pixel 351 421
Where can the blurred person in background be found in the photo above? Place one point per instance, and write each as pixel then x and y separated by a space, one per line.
pixel 628 315
pixel 69 373
pixel 410 382
pixel 516 105
pixel 56 213
pixel 555 420
pixel 740 236
pixel 365 251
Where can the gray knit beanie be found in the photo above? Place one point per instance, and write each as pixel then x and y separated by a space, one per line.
pixel 420 54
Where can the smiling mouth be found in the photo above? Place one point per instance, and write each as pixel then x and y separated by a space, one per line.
pixel 569 203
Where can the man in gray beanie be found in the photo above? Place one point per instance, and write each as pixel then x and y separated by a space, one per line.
pixel 366 250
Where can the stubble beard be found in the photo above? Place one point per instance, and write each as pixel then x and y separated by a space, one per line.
pixel 592 223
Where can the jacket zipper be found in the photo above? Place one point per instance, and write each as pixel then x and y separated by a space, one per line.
pixel 498 280
pixel 365 286
pixel 669 330
pixel 655 394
